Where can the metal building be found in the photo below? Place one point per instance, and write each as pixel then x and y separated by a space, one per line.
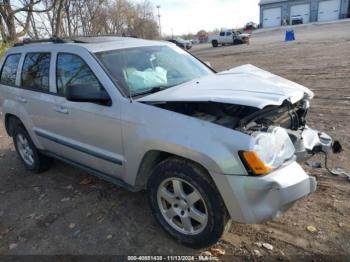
pixel 275 13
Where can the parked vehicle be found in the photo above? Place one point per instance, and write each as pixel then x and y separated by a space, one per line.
pixel 184 44
pixel 229 37
pixel 208 147
pixel 251 26
pixel 296 20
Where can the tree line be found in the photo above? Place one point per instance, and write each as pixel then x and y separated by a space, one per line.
pixel 73 18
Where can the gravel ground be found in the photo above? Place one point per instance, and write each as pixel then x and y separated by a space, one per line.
pixel 65 211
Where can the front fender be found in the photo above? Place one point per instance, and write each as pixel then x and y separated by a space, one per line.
pixel 148 128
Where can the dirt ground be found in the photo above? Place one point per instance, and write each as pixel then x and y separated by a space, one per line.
pixel 55 213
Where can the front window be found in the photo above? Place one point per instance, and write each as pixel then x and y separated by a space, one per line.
pixel 151 69
pixel 72 70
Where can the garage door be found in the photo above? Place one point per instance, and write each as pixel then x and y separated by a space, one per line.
pixel 303 10
pixel 329 10
pixel 272 17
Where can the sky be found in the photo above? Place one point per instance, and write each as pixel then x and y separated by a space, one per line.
pixel 190 16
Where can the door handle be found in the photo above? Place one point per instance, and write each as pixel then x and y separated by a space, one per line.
pixel 61 109
pixel 21 99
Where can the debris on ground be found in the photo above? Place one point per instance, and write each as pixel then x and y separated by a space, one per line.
pixel 45 221
pixel 36 189
pixel 109 236
pixel 257 253
pixel 206 254
pixel 86 181
pixel 71 225
pixel 100 219
pixel 13 246
pixel 65 199
pixel 267 246
pixel 340 172
pixel 42 196
pixel 31 216
pixel 311 229
pixel 313 164
pixel 69 187
pixel 76 233
pixel 217 252
pixel 4 232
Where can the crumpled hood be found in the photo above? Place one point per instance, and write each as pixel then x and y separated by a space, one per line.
pixel 244 85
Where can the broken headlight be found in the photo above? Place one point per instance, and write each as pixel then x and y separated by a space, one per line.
pixel 269 150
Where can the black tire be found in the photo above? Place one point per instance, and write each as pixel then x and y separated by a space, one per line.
pixel 217 218
pixel 41 162
pixel 237 42
pixel 215 43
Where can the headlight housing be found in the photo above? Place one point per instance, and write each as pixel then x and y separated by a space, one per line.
pixel 269 150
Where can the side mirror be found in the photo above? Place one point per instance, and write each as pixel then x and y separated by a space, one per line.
pixel 86 93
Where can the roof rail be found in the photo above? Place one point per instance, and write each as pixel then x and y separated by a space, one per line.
pixel 55 40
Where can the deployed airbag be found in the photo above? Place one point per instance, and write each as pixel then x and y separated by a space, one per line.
pixel 140 81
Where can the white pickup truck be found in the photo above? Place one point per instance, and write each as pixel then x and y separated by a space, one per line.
pixel 229 37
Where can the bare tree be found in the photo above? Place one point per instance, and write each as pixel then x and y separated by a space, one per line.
pixel 18 16
pixel 71 18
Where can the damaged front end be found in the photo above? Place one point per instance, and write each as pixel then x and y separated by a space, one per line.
pixel 249 120
pixel 250 100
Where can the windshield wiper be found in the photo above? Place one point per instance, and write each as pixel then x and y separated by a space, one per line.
pixel 151 91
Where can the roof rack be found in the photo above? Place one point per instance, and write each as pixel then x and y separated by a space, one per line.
pixel 55 40
pixel 77 39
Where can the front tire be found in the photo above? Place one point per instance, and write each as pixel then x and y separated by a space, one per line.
pixel 186 203
pixel 30 156
pixel 215 43
pixel 237 42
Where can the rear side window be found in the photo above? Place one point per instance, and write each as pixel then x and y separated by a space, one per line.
pixel 36 71
pixel 72 70
pixel 9 70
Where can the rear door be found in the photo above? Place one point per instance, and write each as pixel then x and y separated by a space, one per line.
pixel 229 37
pixel 8 87
pixel 222 37
pixel 35 96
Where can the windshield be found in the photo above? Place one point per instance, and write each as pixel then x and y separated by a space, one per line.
pixel 151 69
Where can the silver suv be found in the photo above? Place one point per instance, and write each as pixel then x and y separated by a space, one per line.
pixel 208 147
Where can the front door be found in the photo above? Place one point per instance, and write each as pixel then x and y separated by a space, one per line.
pixel 89 133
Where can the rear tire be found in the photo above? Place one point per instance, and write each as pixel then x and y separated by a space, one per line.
pixel 30 156
pixel 186 203
pixel 215 43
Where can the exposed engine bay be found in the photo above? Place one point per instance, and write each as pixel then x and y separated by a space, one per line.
pixel 245 118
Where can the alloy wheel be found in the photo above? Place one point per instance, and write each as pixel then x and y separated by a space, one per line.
pixel 182 206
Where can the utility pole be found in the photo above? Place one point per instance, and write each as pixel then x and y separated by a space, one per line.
pixel 160 26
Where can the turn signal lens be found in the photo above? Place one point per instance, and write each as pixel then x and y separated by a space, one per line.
pixel 255 164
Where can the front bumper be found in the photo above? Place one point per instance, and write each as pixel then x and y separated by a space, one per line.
pixel 253 200
pixel 310 142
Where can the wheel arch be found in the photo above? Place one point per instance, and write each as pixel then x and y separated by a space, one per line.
pixel 11 122
pixel 152 158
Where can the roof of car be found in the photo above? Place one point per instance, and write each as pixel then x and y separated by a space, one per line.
pixel 92 44
pixel 264 2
